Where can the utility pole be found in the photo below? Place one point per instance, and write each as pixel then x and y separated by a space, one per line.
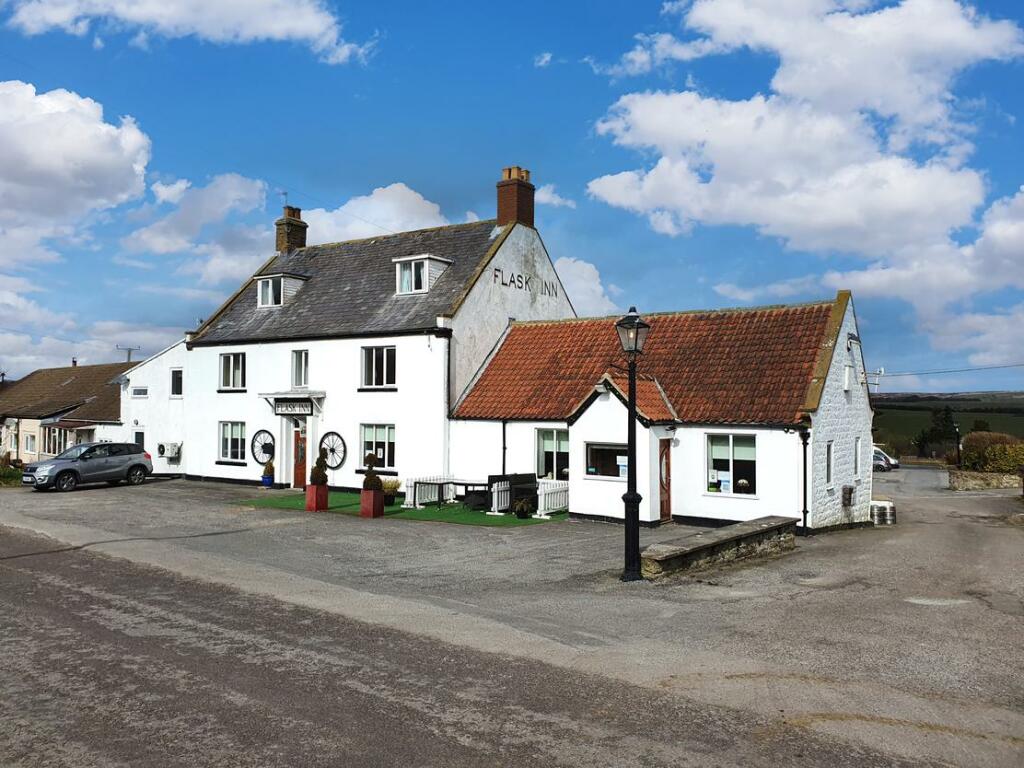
pixel 129 351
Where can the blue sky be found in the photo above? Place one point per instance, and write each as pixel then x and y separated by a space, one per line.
pixel 703 154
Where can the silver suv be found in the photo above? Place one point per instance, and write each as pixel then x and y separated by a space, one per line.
pixel 90 463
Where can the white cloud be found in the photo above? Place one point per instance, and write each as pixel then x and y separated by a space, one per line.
pixel 232 255
pixel 782 289
pixel 582 283
pixel 305 22
pixel 542 60
pixel 198 207
pixel 991 338
pixel 546 195
pixel 170 193
pixel 61 162
pixel 394 208
pixel 16 310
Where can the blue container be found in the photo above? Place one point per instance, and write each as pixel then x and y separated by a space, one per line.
pixel 268 481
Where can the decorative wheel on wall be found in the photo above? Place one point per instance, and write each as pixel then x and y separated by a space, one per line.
pixel 262 447
pixel 336 450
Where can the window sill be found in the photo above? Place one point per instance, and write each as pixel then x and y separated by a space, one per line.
pixel 226 463
pixel 175 397
pixel 753 496
pixel 377 389
pixel 612 478
pixel 387 472
pixel 231 391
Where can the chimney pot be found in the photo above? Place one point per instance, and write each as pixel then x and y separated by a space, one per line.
pixel 515 196
pixel 291 230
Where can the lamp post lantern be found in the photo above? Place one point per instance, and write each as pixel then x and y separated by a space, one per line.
pixel 632 332
pixel 956 428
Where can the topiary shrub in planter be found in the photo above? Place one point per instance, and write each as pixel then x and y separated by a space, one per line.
pixel 390 487
pixel 523 508
pixel 371 500
pixel 316 491
pixel 268 474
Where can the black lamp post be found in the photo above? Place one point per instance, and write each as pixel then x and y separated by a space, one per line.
pixel 956 428
pixel 632 335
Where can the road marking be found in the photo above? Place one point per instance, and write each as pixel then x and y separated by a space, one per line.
pixel 937 601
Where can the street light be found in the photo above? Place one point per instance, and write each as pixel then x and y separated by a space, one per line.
pixel 956 428
pixel 632 332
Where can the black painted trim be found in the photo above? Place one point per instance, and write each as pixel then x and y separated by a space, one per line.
pixel 377 389
pixel 615 520
pixel 431 331
pixel 231 463
pixel 385 472
pixel 703 522
pixel 231 391
pixel 231 480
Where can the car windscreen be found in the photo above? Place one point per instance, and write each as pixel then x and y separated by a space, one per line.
pixel 73 452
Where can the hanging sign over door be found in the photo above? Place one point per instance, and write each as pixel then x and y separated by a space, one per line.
pixel 293 407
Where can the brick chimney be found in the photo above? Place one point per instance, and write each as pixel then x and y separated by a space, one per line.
pixel 515 196
pixel 291 230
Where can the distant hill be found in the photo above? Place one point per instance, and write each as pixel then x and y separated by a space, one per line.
pixel 900 416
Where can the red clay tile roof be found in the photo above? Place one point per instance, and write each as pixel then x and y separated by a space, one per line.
pixel 651 401
pixel 738 366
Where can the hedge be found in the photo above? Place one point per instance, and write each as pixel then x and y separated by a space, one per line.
pixel 1004 458
pixel 977 445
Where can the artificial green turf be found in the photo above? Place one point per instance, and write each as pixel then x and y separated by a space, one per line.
pixel 345 503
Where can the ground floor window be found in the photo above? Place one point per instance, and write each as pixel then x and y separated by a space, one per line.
pixel 30 443
pixel 379 439
pixel 604 460
pixel 55 440
pixel 14 440
pixel 232 441
pixel 553 454
pixel 139 438
pixel 732 464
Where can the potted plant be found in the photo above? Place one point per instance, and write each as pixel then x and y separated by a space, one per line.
pixel 371 500
pixel 523 508
pixel 268 474
pixel 316 491
pixel 390 486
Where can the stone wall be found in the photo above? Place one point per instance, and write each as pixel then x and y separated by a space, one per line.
pixel 963 480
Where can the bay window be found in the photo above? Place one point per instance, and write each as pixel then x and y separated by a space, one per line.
pixel 732 464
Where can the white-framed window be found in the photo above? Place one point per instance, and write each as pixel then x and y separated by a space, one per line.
pixel 856 457
pixel 177 382
pixel 300 367
pixel 12 440
pixel 379 439
pixel 607 460
pixel 829 454
pixel 232 441
pixel 732 464
pixel 55 440
pixel 232 370
pixel 270 292
pixel 378 366
pixel 139 439
pixel 411 276
pixel 30 443
pixel 140 391
pixel 553 454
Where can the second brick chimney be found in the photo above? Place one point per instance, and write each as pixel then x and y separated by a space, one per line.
pixel 291 230
pixel 515 196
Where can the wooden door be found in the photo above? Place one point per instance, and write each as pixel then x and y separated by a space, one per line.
pixel 665 484
pixel 299 452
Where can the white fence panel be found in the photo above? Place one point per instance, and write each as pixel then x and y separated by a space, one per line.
pixel 552 496
pixel 501 497
pixel 423 490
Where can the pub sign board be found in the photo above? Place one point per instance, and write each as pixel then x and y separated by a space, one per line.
pixel 293 407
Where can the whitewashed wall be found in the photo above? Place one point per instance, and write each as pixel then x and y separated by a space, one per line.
pixel 159 415
pixel 476 447
pixel 842 416
pixel 485 313
pixel 417 408
pixel 605 422
pixel 779 474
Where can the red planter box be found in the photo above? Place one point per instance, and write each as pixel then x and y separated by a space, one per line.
pixel 316 498
pixel 371 504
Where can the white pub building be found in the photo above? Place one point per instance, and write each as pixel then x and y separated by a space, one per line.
pixel 454 352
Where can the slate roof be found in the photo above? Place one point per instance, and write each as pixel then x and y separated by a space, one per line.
pixel 757 366
pixel 48 391
pixel 350 290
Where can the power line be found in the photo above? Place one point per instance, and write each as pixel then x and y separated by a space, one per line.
pixel 952 370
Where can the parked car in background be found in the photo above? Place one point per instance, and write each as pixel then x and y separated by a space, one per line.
pixel 90 463
pixel 879 464
pixel 880 454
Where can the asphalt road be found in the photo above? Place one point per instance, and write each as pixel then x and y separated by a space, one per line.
pixel 107 663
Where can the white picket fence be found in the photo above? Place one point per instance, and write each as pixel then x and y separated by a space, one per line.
pixel 501 498
pixel 418 492
pixel 552 496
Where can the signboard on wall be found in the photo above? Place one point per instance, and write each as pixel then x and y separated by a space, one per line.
pixel 293 407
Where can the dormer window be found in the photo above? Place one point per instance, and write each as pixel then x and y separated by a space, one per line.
pixel 270 292
pixel 412 276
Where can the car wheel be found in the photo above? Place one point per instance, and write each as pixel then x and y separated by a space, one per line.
pixel 136 475
pixel 67 481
